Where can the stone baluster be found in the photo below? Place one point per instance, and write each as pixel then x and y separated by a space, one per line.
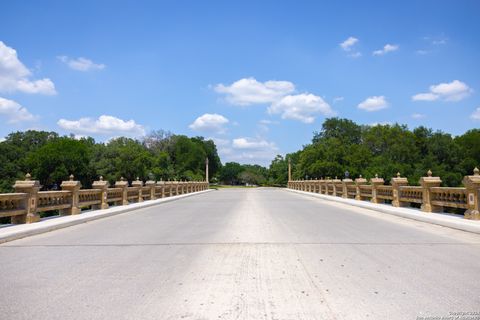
pixel 375 182
pixel 138 184
pixel 472 184
pixel 345 183
pixel 396 184
pixel 359 182
pixel 335 182
pixel 151 185
pixel 31 188
pixel 427 183
pixel 72 186
pixel 176 187
pixel 161 183
pixel 103 186
pixel 123 184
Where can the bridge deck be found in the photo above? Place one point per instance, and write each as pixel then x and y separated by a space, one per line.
pixel 242 254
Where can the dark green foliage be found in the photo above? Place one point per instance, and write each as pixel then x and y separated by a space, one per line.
pixel 343 146
pixel 51 159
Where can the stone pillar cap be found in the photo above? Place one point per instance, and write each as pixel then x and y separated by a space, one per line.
pixel 377 180
pixel 71 183
pixel 360 180
pixel 121 183
pixel 347 180
pixel 399 180
pixel 27 184
pixel 100 183
pixel 472 180
pixel 429 179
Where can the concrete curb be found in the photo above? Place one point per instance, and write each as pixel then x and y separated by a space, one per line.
pixel 25 230
pixel 434 218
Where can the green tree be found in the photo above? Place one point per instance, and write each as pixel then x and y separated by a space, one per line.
pixel 58 158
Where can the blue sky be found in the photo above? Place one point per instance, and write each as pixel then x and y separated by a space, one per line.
pixel 257 76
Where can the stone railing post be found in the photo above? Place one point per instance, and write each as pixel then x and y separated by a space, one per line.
pixel 321 184
pixel 176 187
pixel 138 184
pixel 30 187
pixel 396 184
pixel 426 183
pixel 151 184
pixel 346 182
pixel 472 184
pixel 375 182
pixel 161 183
pixel 103 186
pixel 73 187
pixel 327 182
pixel 358 182
pixel 335 181
pixel 123 185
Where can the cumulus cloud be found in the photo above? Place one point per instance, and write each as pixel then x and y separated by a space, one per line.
pixel 386 49
pixel 418 116
pixel 248 91
pixel 349 43
pixel 476 114
pixel 14 112
pixel 303 107
pixel 81 64
pixel 374 103
pixel 252 150
pixel 453 91
pixel 104 125
pixel 210 123
pixel 16 77
pixel 338 99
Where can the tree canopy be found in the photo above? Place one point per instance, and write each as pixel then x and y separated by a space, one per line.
pixel 342 145
pixel 51 158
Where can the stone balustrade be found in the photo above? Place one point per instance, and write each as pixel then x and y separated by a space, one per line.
pixel 429 195
pixel 28 202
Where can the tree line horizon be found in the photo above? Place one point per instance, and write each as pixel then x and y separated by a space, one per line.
pixel 340 146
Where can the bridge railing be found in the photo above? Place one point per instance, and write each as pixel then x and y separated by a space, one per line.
pixel 26 204
pixel 429 195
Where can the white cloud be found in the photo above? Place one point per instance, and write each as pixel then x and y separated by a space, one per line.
pixel 453 91
pixel 386 49
pixel 104 125
pixel 251 144
pixel 14 76
pixel 355 54
pixel 418 116
pixel 81 64
pixel 303 107
pixel 210 123
pixel 476 114
pixel 425 97
pixel 249 91
pixel 252 150
pixel 14 111
pixel 338 99
pixel 374 103
pixel 349 43
pixel 383 123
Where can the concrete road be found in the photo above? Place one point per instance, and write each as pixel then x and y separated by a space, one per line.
pixel 243 254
